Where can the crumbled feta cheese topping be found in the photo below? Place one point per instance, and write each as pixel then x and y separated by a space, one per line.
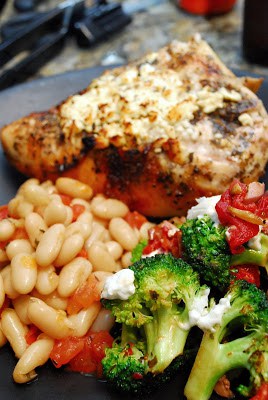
pixel 205 206
pixel 119 286
pixel 204 317
pixel 246 119
pixel 146 101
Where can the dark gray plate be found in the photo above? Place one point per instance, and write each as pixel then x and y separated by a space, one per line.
pixel 55 384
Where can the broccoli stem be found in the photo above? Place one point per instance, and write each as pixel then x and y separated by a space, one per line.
pixel 165 338
pixel 251 256
pixel 213 361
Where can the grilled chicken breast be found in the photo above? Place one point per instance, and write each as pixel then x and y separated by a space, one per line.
pixel 158 133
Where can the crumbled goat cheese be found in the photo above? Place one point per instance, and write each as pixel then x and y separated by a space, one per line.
pixel 119 286
pixel 200 315
pixel 205 206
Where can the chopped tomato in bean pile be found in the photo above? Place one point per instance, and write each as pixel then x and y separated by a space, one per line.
pixel 86 294
pixel 135 219
pixel 32 334
pixel 82 354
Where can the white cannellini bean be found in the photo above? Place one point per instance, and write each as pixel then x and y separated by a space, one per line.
pixel 74 188
pixel 72 275
pixel 23 273
pixel 34 356
pixel 36 195
pixel 14 331
pixel 122 232
pixel 114 248
pixel 53 323
pixel 78 227
pixel 97 233
pixel 3 339
pixel 71 246
pixel 18 246
pixel 50 245
pixel 8 285
pixel 24 208
pixel 126 259
pixel 7 229
pixel 24 185
pixel 20 305
pixel 55 213
pixel 104 321
pixel 109 208
pixel 82 321
pixel 47 280
pixel 101 277
pixel 69 216
pixel 100 258
pixel 35 227
pixel 53 299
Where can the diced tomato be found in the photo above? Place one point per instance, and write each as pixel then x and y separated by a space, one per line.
pixel 84 296
pixel 78 209
pixel 83 361
pixel 135 219
pixel 137 375
pixel 66 199
pixel 82 253
pixel 249 273
pixel 89 359
pixel 240 231
pixel 100 341
pixel 164 239
pixel 262 393
pixel 6 304
pixel 32 334
pixel 20 233
pixel 3 212
pixel 65 350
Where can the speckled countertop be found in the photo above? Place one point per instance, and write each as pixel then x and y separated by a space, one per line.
pixel 150 30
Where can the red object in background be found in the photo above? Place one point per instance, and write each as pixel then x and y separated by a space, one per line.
pixel 207 7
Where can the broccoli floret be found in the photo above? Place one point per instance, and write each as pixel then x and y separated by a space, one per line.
pixel 251 256
pixel 165 289
pixel 125 368
pixel 137 251
pixel 205 247
pixel 223 350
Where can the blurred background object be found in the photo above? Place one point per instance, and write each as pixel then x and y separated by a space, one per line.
pixel 147 26
pixel 207 7
pixel 255 31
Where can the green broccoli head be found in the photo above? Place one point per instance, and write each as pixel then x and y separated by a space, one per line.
pixel 251 256
pixel 165 290
pixel 223 351
pixel 205 247
pixel 124 368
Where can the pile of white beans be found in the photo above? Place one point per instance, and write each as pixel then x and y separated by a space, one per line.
pixel 40 273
